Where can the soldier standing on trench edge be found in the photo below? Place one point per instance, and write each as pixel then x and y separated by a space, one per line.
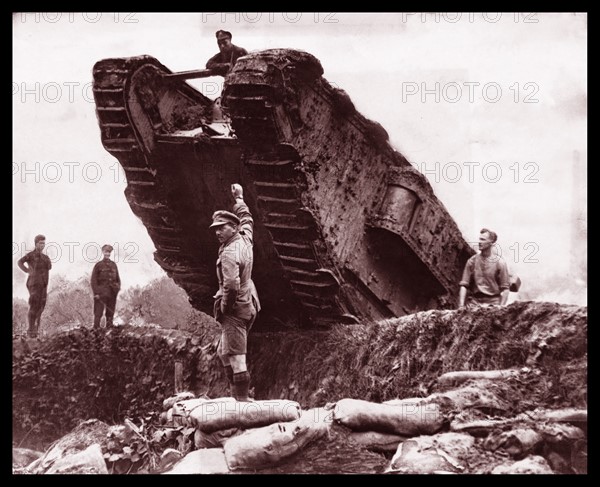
pixel 37 269
pixel 106 284
pixel 236 302
pixel 485 279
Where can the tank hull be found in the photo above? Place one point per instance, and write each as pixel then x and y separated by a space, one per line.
pixel 346 230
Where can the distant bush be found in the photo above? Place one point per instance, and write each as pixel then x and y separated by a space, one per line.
pixel 70 305
pixel 161 302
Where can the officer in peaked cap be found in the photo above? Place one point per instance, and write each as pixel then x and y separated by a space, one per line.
pixel 236 302
pixel 222 217
pixel 106 284
pixel 222 62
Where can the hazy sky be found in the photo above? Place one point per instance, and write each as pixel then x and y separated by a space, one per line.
pixel 492 108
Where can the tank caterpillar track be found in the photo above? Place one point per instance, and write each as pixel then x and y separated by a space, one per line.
pixel 112 91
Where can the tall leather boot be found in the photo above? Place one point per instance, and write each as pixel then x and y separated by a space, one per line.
pixel 241 382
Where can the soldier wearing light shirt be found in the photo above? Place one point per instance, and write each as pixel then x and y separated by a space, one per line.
pixel 485 279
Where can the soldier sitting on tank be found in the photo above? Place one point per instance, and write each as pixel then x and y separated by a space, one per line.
pixel 106 284
pixel 229 53
pixel 485 279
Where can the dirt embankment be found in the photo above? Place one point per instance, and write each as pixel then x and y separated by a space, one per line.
pixel 403 356
pixel 128 371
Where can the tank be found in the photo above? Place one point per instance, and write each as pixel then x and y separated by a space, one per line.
pixel 346 230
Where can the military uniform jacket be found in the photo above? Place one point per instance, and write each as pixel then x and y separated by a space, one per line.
pixel 237 294
pixel 216 63
pixel 39 266
pixel 105 277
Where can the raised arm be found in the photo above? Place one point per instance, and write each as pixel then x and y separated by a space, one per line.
pixel 240 208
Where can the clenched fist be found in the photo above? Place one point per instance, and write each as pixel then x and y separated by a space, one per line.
pixel 237 191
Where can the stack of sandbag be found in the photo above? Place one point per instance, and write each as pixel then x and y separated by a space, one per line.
pixel 267 446
pixel 253 435
pixel 382 427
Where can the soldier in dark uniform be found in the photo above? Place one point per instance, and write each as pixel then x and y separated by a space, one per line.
pixel 236 302
pixel 229 53
pixel 38 267
pixel 106 284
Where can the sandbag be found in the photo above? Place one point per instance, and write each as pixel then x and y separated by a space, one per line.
pixel 565 415
pixel 170 401
pixel 517 442
pixel 213 440
pixel 533 464
pixel 169 457
pixel 556 433
pixel 413 457
pixel 379 442
pixel 266 446
pixel 207 461
pixel 456 445
pixel 220 415
pixel 181 410
pixel 477 395
pixel 408 420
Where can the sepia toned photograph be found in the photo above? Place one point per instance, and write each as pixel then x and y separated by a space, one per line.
pixel 299 243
